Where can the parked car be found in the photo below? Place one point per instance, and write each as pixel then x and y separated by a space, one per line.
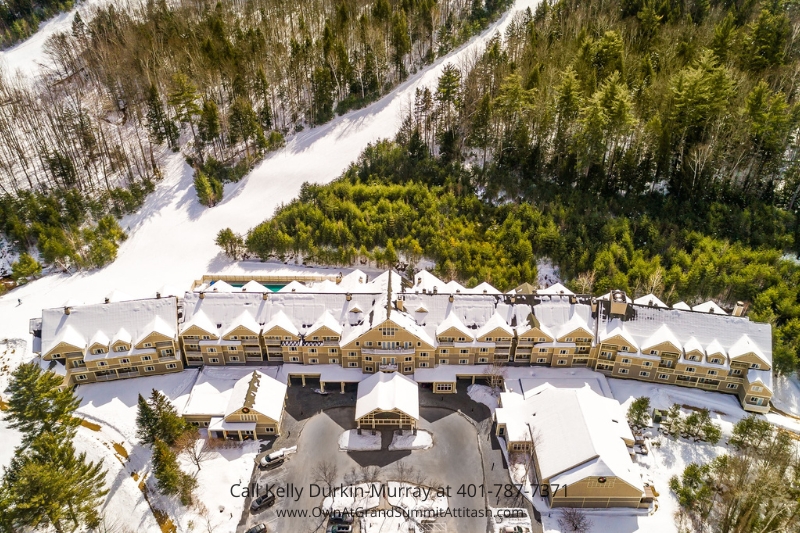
pixel 272 460
pixel 339 517
pixel 265 500
pixel 340 528
pixel 514 529
pixel 258 528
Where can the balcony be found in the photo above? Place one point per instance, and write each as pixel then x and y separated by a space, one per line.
pixel 388 367
pixel 390 353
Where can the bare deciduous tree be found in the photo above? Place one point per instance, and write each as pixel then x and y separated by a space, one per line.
pixel 574 520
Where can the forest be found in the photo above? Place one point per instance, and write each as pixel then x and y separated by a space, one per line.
pixel 222 82
pixel 20 18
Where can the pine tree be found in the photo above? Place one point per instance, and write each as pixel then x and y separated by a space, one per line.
pixel 36 404
pixel 25 267
pixel 49 484
pixel 639 412
pixel 157 121
pixel 183 98
pixel 169 477
pixel 209 189
pixel 243 123
pixel 158 420
pixel 231 243
pixel 208 125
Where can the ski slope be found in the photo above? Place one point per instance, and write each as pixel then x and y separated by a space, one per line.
pixel 171 239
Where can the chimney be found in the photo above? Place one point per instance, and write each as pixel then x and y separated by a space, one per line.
pixel 158 295
pixel 349 296
pixel 202 295
pixel 400 305
pixel 265 296
pixel 435 290
pixel 67 310
pixel 451 298
pixel 739 309
pixel 107 299
pixel 338 278
pixel 619 303
pixel 419 280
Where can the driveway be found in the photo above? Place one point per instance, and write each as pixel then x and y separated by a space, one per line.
pixel 453 460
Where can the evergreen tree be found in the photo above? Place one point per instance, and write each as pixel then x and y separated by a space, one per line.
pixel 243 123
pixel 37 406
pixel 158 420
pixel 25 267
pixel 208 125
pixel 160 126
pixel 48 484
pixel 183 97
pixel 169 477
pixel 231 243
pixel 401 41
pixel 639 412
pixel 208 188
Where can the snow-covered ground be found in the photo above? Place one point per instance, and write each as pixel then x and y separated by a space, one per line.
pixel 547 273
pixel 483 394
pixel 408 441
pixel 351 441
pixel 362 497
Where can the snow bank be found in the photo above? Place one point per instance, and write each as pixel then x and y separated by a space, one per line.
pixel 787 394
pixel 351 441
pixel 483 394
pixel 408 441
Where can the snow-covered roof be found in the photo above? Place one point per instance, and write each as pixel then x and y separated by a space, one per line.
pixel 99 338
pixel 716 333
pixel 117 296
pixel 253 286
pixel 282 321
pixel 326 321
pixel 662 335
pixel 575 322
pixel 107 323
pixel 386 392
pixel 682 306
pixel 556 289
pixel 693 345
pixel 651 300
pixel 709 307
pixel 576 433
pixel 260 393
pixel 496 322
pixel 745 345
pixel 245 320
pixel 157 325
pixel 294 286
pixel 201 320
pixel 483 288
pixel 616 327
pixel 221 286
pixel 609 297
pixel 452 321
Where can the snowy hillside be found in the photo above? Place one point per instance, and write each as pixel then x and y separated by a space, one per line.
pixel 171 240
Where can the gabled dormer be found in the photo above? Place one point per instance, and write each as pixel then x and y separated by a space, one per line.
pixel 158 330
pixel 746 351
pixel 121 341
pixel 67 341
pixel 575 329
pixel 452 329
pixel 280 328
pixel 495 330
pixel 326 328
pixel 199 326
pixel 99 344
pixel 663 340
pixel 243 326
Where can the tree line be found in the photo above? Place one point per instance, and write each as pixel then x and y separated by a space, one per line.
pixel 20 19
pixel 399 203
pixel 223 82
pixel 697 98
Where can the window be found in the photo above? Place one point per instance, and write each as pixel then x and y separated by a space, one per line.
pixel 352 354
pixel 388 332
pixel 352 364
pixel 462 352
pixel 98 351
pixel 626 361
pixel 120 348
pixel 423 364
pixel 489 339
pixel 169 351
pixel 289 338
pixel 647 363
pixel 443 361
pixel 78 363
pixel 172 366
pixel 234 337
pixel 715 361
pixel 312 350
pixel 623 348
pixel 367 369
pixel 124 360
pixel 211 350
pixel 732 386
pixel 663 376
pixel 756 388
pixel 712 372
pixel 542 350
pixel 368 358
pixel 333 361
pixel 102 363
pixel 755 365
pixel 466 362
pixel 368 344
pixel 541 360
pixel 80 377
pixel 462 339
pixel 736 372
pixel 644 374
pixel 408 369
pixel 248 418
pixel 149 368
pixel 541 339
pixel 206 337
pixel 623 370
pixel 233 358
pixel 484 350
pixel 444 387
pixel 313 361
pixel 147 358
pixel 483 359
pixel 408 359
pixel 423 354
pixel 444 352
pixel 293 348
pixel 754 400
pixel 568 339
pixel 691 369
pixel 563 352
pixel 562 362
pixel 147 345
pixel 213 360
pixel 653 352
pixel 294 359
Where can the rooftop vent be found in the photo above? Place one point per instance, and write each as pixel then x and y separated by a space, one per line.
pixel 202 295
pixel 265 296
pixel 107 299
pixel 67 310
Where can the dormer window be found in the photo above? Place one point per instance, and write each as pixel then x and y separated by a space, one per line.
pixel 692 358
pixel 121 348
pixel 147 345
pixel 488 339
pixel 234 337
pixel 206 337
pixel 623 348
pixel 461 339
pixel 755 366
pixel 98 351
pixel 568 339
pixel 715 361
pixel 653 352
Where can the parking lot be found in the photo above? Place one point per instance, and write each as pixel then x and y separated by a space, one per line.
pixel 465 452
